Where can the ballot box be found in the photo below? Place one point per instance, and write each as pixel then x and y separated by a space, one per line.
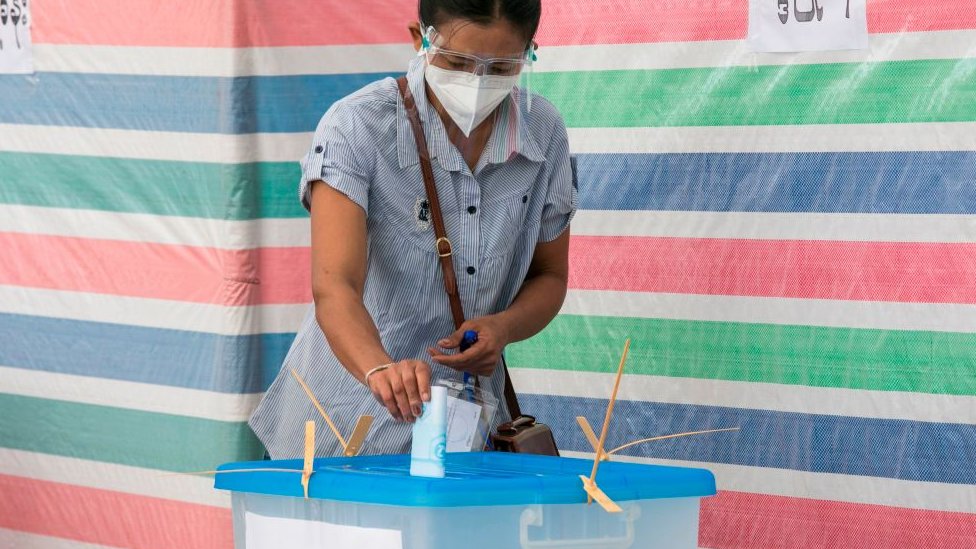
pixel 487 500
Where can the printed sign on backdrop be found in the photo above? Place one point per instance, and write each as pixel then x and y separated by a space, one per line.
pixel 807 25
pixel 15 37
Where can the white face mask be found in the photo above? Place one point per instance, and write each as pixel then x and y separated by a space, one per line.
pixel 468 98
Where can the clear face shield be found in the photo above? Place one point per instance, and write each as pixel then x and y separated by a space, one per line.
pixel 451 60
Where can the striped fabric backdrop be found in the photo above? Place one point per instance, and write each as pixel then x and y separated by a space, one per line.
pixel 789 240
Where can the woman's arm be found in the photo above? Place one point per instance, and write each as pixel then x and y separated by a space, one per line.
pixel 543 291
pixel 537 303
pixel 338 280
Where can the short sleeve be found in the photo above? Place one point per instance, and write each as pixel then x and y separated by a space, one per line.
pixel 560 205
pixel 340 156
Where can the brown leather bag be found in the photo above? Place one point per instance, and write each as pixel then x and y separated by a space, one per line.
pixel 523 434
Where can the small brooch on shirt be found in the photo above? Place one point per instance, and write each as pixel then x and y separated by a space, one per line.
pixel 421 210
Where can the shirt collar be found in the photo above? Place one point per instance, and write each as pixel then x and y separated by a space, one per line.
pixel 510 135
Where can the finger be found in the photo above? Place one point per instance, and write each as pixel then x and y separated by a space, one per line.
pixel 452 341
pixel 409 377
pixel 482 362
pixel 400 397
pixel 478 353
pixel 451 361
pixel 385 395
pixel 422 372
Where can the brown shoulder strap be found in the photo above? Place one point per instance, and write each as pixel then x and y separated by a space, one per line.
pixel 442 244
pixel 510 397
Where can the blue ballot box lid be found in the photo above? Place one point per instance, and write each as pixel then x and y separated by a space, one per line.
pixel 472 479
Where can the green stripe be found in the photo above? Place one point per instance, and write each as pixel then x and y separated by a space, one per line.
pixel 126 437
pixel 885 360
pixel 842 93
pixel 160 187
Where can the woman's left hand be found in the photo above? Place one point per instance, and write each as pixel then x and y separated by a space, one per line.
pixel 482 357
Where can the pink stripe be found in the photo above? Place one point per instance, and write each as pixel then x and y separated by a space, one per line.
pixel 868 271
pixel 224 23
pixel 116 519
pixel 859 271
pixel 182 273
pixel 738 520
pixel 285 275
pixel 641 21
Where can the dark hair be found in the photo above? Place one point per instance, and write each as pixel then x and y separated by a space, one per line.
pixel 522 14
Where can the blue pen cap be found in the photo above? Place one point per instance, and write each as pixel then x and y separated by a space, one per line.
pixel 469 338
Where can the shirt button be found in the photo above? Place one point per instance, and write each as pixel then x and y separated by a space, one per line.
pixel 318 149
pixel 525 198
pixel 472 210
pixel 471 270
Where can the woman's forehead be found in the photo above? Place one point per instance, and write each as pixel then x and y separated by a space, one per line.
pixel 498 39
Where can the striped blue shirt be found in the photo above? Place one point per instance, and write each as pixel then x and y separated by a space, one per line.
pixel 520 193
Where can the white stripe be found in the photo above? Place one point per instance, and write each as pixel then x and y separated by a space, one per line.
pixel 906 46
pixel 117 478
pixel 300 60
pixel 908 137
pixel 159 229
pixel 296 232
pixel 289 147
pixel 934 317
pixel 206 318
pixel 222 62
pixel 152 313
pixel 145 397
pixel 156 145
pixel 933 496
pixel 13 539
pixel 751 395
pixel 857 227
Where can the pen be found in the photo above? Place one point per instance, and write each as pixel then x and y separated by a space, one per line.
pixel 469 338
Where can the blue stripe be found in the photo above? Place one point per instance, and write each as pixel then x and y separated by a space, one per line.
pixel 858 182
pixel 907 450
pixel 179 104
pixel 196 360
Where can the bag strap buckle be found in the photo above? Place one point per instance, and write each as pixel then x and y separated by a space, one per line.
pixel 444 240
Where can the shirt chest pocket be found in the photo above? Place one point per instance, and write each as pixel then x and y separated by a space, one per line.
pixel 504 221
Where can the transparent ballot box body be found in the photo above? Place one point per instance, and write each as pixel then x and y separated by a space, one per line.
pixel 487 500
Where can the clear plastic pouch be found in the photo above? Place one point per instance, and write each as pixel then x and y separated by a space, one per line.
pixel 470 416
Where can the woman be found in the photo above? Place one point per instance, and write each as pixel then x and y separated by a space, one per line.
pixel 381 329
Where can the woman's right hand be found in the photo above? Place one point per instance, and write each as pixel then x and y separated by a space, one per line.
pixel 402 388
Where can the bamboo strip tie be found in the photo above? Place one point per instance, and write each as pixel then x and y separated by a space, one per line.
pixel 315 402
pixel 606 420
pixel 675 435
pixel 308 465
